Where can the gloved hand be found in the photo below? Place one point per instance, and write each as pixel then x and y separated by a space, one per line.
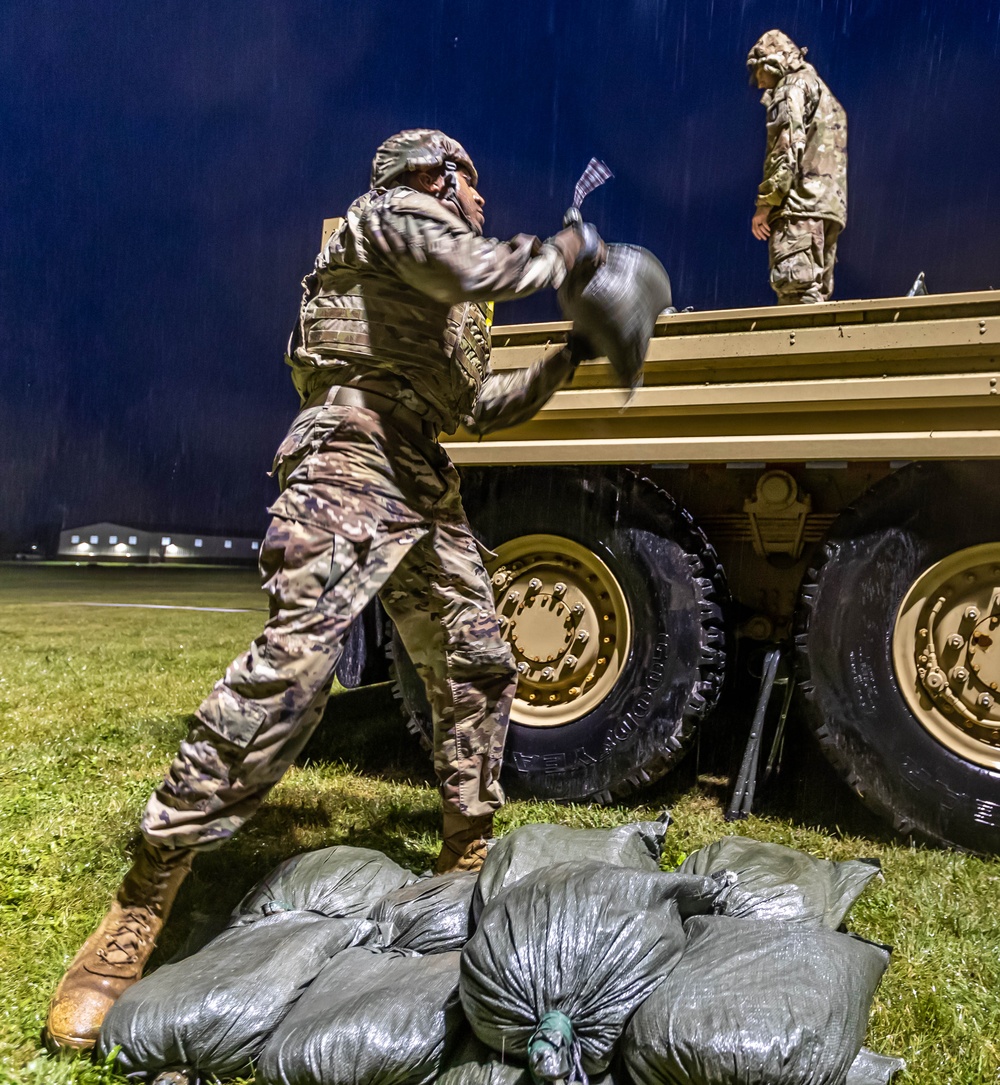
pixel 579 242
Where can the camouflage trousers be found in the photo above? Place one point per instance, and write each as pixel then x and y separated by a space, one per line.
pixel 365 509
pixel 802 254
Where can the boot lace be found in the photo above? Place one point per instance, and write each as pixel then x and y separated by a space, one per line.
pixel 124 940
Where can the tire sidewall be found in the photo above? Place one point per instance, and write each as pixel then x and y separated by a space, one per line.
pixel 853 697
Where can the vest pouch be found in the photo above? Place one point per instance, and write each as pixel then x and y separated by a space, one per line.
pixel 471 352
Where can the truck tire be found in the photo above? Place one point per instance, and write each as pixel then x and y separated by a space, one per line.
pixel 611 599
pixel 896 670
pixel 363 662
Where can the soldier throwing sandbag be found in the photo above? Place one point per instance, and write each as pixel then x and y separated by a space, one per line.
pixel 392 347
pixel 802 201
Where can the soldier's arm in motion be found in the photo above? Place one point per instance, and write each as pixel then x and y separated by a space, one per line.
pixel 507 399
pixel 435 252
pixel 431 249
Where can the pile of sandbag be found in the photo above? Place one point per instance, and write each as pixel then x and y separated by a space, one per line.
pixel 571 957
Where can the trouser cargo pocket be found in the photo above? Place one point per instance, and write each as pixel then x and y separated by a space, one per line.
pixel 231 716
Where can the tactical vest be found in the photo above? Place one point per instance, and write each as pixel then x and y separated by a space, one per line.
pixel 441 351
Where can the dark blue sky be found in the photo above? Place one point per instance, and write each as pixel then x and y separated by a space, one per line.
pixel 167 165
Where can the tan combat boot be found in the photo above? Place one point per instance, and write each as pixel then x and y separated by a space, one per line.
pixel 464 846
pixel 114 956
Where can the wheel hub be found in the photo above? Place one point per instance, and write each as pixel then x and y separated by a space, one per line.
pixel 946 652
pixel 564 615
pixel 541 629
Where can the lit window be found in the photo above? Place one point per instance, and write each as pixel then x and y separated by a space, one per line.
pixel 74 539
pixel 255 546
pixel 228 544
pixel 165 541
pixel 197 542
pixel 112 539
pixel 94 540
pixel 133 540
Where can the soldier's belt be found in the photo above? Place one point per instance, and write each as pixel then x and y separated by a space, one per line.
pixel 383 405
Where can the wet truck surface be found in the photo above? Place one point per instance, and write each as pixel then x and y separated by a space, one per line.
pixel 820 478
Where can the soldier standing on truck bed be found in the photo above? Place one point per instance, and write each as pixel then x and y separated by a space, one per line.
pixel 802 201
pixel 391 348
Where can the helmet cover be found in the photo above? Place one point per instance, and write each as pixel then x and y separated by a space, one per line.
pixel 777 52
pixel 417 148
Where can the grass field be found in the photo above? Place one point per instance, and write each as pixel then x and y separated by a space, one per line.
pixel 93 701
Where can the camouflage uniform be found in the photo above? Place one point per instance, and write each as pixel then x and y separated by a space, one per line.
pixel 396 312
pixel 805 172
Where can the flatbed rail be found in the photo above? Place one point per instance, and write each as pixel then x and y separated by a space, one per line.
pixel 884 379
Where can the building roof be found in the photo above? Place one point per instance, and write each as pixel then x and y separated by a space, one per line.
pixel 161 529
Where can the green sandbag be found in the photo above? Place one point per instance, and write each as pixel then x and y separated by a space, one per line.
pixel 369 1019
pixel 535 847
pixel 473 1063
pixel 214 1011
pixel 560 961
pixel 752 1002
pixel 872 1069
pixel 338 882
pixel 431 915
pixel 770 881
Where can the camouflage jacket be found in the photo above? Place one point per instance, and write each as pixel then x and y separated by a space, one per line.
pixel 805 170
pixel 400 302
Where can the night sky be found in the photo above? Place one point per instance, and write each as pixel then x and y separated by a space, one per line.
pixel 167 167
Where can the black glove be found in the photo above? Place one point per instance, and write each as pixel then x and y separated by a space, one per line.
pixel 592 248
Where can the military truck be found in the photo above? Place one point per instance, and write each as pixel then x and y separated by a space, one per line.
pixel 821 478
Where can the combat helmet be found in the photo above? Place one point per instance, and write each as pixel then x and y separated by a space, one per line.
pixel 777 52
pixel 417 148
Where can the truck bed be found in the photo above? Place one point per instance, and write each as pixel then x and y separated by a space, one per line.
pixel 885 379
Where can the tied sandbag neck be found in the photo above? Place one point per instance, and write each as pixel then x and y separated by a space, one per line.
pixel 595 174
pixel 554 1052
pixel 592 177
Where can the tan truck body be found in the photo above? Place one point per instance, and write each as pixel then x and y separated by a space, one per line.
pixel 837 394
pixel 891 379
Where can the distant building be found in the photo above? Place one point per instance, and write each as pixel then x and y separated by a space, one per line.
pixel 118 542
